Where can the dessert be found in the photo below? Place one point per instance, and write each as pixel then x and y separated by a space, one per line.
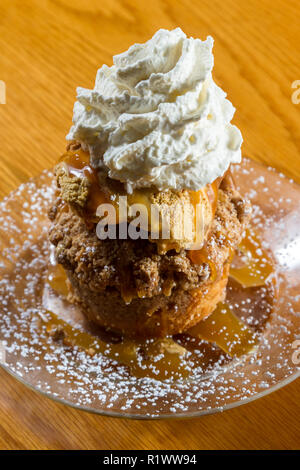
pixel 154 132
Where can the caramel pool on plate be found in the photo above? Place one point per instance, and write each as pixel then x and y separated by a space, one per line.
pixel 168 357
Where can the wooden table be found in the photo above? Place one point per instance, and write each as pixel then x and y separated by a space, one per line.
pixel 47 49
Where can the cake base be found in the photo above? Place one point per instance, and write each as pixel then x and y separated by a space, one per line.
pixel 158 316
pixel 128 287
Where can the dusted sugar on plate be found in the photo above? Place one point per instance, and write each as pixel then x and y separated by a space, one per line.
pixel 147 217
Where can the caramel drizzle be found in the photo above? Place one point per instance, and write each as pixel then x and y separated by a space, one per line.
pixel 256 264
pixel 222 327
pixel 78 165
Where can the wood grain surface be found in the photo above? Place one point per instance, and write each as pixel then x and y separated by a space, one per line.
pixel 48 47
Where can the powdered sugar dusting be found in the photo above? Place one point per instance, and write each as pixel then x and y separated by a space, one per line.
pixel 99 384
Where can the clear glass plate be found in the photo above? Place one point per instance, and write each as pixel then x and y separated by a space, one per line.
pixel 100 385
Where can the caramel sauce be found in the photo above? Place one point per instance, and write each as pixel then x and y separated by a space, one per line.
pixel 212 193
pixel 209 194
pixel 128 294
pixel 57 279
pixel 196 199
pixel 165 358
pixel 78 165
pixel 159 359
pixel 223 328
pixel 251 267
pixel 254 264
pixel 200 257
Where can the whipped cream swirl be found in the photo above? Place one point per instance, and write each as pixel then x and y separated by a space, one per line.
pixel 156 118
